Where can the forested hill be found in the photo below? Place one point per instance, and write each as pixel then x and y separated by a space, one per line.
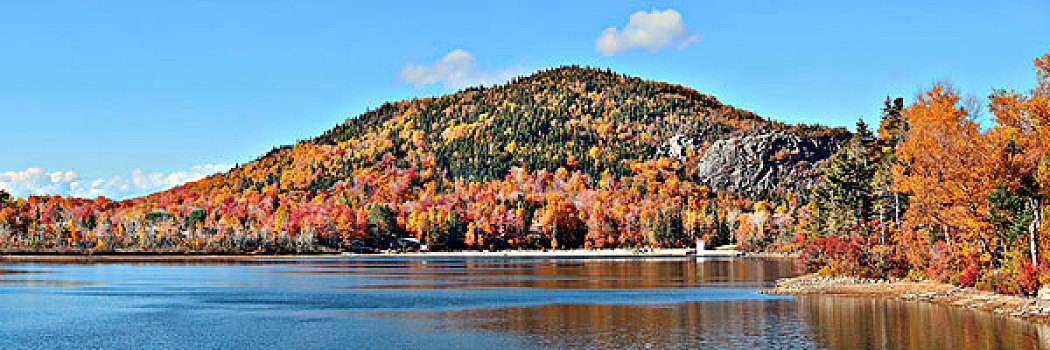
pixel 566 157
pixel 582 158
pixel 593 121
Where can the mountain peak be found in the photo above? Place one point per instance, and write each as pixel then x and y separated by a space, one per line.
pixel 588 120
pixel 580 154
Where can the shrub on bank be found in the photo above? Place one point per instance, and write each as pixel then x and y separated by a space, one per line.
pixel 854 256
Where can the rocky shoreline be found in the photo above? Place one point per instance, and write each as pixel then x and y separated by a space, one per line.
pixel 1021 307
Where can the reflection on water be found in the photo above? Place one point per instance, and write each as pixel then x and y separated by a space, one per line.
pixel 749 324
pixel 866 323
pixel 350 302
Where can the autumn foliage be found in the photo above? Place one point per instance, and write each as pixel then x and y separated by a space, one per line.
pixel 969 198
pixel 570 158
pixel 561 159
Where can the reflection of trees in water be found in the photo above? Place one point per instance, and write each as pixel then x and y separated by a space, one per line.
pixel 809 322
pixel 733 324
pixel 870 323
pixel 761 323
pixel 576 274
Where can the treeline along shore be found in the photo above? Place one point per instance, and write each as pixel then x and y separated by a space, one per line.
pixel 76 257
pixel 947 189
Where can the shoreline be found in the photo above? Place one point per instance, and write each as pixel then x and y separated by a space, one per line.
pixel 63 257
pixel 1020 307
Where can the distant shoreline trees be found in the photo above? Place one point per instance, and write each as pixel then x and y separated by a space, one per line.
pixel 569 158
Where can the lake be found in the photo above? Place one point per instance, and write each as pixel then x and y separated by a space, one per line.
pixel 464 303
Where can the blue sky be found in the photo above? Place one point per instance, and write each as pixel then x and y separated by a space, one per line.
pixel 125 98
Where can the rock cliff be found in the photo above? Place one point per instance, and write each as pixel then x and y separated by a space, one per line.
pixel 757 163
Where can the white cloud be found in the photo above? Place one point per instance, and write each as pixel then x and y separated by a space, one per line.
pixel 646 30
pixel 457 69
pixel 36 181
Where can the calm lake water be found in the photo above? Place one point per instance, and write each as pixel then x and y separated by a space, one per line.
pixel 446 303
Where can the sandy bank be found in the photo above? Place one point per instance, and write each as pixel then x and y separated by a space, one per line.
pixel 1022 307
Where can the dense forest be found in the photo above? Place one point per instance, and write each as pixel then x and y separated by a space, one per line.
pixel 936 194
pixel 563 158
pixel 946 188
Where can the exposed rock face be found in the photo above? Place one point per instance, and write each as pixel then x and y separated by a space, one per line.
pixel 756 163
pixel 677 146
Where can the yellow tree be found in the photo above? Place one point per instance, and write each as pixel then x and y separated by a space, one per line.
pixel 1024 120
pixel 947 167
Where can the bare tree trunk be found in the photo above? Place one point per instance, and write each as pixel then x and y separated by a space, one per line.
pixel 1033 229
pixel 882 226
pixel 897 210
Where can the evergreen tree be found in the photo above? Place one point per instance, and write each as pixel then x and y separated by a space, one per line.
pixel 888 205
pixel 668 229
pixel 855 189
pixel 843 197
pixel 449 235
pixel 382 224
pixel 862 130
pixel 894 125
pixel 1011 214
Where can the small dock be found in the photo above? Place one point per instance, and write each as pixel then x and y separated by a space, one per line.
pixel 725 251
pixel 714 253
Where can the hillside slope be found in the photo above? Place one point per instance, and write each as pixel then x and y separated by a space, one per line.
pixel 561 158
pixel 584 120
